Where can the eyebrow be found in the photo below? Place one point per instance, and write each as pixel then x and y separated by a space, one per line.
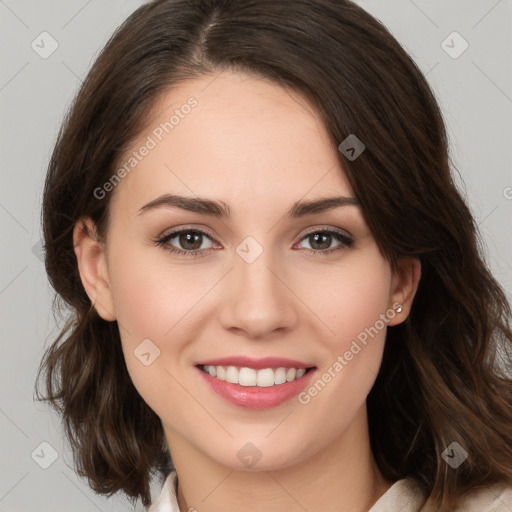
pixel 220 209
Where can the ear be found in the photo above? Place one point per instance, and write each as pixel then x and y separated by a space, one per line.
pixel 92 266
pixel 403 288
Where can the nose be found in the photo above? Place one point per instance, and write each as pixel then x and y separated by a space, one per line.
pixel 259 302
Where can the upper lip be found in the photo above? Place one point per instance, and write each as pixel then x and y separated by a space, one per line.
pixel 257 364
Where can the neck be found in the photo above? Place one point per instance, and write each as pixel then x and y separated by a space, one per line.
pixel 342 477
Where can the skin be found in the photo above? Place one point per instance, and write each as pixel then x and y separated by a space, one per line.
pixel 259 148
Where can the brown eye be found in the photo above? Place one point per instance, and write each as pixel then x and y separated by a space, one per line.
pixel 185 241
pixel 190 240
pixel 321 241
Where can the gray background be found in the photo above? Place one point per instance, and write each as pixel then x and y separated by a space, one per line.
pixel 475 94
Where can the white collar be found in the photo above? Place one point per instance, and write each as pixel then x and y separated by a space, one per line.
pixel 402 495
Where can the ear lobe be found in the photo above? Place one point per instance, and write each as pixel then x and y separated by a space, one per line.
pixel 92 266
pixel 404 286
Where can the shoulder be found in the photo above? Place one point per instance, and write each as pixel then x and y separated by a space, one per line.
pixel 496 498
pixel 407 496
pixel 404 495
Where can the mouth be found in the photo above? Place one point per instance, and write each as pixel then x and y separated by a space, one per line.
pixel 261 378
pixel 256 383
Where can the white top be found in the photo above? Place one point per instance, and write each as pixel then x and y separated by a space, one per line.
pixel 403 496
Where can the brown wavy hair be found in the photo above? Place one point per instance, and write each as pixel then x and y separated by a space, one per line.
pixel 439 381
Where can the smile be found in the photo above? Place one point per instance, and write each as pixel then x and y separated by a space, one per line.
pixel 262 378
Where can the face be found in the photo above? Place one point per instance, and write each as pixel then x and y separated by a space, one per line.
pixel 270 284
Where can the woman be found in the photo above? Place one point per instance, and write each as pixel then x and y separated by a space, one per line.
pixel 273 278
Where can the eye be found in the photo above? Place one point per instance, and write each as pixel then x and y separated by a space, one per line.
pixel 190 240
pixel 320 241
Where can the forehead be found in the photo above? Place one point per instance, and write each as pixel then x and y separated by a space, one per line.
pixel 232 137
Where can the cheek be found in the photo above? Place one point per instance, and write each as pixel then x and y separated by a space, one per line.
pixel 156 306
pixel 147 308
pixel 150 296
pixel 352 307
pixel 350 298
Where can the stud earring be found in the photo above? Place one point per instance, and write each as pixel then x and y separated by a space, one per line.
pixel 399 309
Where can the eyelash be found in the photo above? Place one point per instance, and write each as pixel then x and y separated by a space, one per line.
pixel 346 242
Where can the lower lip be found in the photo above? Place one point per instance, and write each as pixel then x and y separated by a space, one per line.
pixel 253 397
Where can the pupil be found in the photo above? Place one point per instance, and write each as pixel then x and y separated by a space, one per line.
pixel 325 245
pixel 188 238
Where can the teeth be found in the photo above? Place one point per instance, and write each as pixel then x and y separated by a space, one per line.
pixel 232 375
pixel 221 372
pixel 250 377
pixel 291 374
pixel 247 377
pixel 280 376
pixel 265 378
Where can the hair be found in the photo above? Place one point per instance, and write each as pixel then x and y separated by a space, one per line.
pixel 439 381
